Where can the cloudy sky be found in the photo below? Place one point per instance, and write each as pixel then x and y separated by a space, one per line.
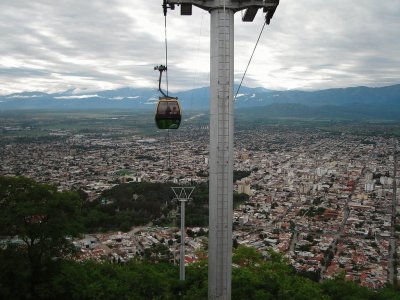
pixel 56 45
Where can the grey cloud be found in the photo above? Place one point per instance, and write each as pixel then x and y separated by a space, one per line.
pixel 18 72
pixel 315 33
pixel 76 36
pixel 309 44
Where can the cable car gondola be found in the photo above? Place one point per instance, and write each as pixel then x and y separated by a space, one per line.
pixel 168 112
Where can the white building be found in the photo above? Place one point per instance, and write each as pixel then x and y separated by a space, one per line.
pixel 369 186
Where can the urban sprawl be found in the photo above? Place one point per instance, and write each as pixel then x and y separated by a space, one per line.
pixel 327 200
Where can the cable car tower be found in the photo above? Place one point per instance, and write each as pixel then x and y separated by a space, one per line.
pixel 221 129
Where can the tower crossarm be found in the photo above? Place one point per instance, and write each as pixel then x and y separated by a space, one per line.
pixel 251 6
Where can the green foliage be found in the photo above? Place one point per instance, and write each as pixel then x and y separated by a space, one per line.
pixel 33 265
pixel 133 204
pixel 197 209
pixel 195 286
pixel 310 238
pixel 317 201
pixel 388 293
pixel 257 278
pixel 239 199
pixel 341 289
pixel 312 212
pixel 134 280
pixel 146 157
pixel 127 205
pixel 246 256
pixel 306 247
pixel 239 174
pixel 269 279
pixel 123 172
pixel 158 253
pixel 202 173
pixel 36 219
pixel 15 273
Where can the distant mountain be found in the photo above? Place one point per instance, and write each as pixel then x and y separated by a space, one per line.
pixel 354 102
pixel 124 98
pixel 328 112
pixel 362 95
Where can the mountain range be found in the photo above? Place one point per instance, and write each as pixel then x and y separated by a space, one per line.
pixel 349 103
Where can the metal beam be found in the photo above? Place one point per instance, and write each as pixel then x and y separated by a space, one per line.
pixel 221 155
pixel 235 5
pixel 182 194
pixel 186 9
pixel 250 14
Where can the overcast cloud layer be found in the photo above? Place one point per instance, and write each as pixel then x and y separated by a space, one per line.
pixel 52 46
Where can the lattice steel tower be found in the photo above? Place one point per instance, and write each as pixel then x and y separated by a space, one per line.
pixel 221 130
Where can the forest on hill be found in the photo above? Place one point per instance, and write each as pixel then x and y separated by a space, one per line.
pixel 139 203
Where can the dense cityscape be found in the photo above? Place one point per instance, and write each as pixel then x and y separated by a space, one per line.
pixel 326 199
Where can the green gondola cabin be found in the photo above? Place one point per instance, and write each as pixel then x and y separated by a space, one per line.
pixel 168 113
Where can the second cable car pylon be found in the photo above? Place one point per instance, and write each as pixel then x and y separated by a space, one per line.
pixel 221 130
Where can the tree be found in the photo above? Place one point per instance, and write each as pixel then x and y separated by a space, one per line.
pixel 389 292
pixel 134 280
pixel 38 222
pixel 239 174
pixel 235 243
pixel 158 253
pixel 246 256
pixel 239 199
pixel 341 289
pixel 196 283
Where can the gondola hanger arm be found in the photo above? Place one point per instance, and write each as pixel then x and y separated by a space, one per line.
pixel 166 6
pixel 161 69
